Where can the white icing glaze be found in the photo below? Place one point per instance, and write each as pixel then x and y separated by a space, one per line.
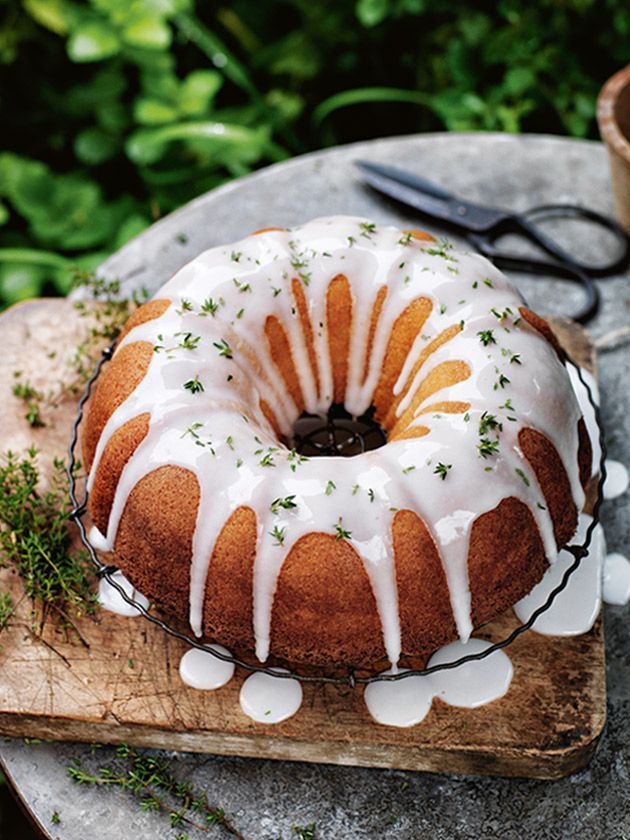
pixel 575 609
pixel 213 333
pixel 473 683
pixel 616 579
pixel 407 702
pixel 202 670
pixel 616 482
pixel 588 411
pixel 267 699
pixel 403 703
pixel 110 599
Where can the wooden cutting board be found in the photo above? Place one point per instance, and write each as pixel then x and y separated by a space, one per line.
pixel 124 686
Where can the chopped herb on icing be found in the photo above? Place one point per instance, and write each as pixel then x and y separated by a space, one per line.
pixel 488 422
pixel 340 532
pixel 486 337
pixel 194 385
pixel 224 348
pixel 278 534
pixel 442 470
pixel 209 307
pixel 285 503
pixel 487 447
pixel 522 476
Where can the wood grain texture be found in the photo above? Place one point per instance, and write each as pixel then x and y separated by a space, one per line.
pixel 123 685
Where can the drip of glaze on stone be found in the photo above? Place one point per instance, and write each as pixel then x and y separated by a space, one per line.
pixel 616 482
pixel 616 580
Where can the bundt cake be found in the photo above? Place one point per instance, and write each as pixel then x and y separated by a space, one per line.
pixel 210 512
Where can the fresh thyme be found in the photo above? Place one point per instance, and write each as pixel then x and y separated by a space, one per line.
pixel 442 470
pixel 487 447
pixel 367 229
pixel 34 540
pixel 522 476
pixel 209 307
pixel 340 532
pixel 224 348
pixel 194 386
pixel 441 250
pixel 285 503
pixel 489 422
pixel 32 399
pixel 151 780
pixel 295 459
pixel 330 486
pixel 486 337
pixel 278 534
pixel 306 832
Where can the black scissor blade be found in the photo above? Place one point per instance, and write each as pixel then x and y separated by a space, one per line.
pixel 411 189
pixel 436 207
pixel 401 176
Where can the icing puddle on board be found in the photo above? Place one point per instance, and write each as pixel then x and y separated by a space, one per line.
pixel 407 702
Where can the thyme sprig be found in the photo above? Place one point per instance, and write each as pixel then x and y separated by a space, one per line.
pixel 34 540
pixel 151 780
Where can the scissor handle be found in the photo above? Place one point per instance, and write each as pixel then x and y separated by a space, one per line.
pixel 527 224
pixel 530 218
pixel 565 270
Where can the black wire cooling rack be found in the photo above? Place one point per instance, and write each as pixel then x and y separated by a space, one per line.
pixel 325 439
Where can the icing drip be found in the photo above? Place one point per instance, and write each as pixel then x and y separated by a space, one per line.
pixel 403 703
pixel 212 369
pixel 110 599
pixel 575 609
pixel 588 411
pixel 407 702
pixel 202 670
pixel 267 699
pixel 616 579
pixel 474 683
pixel 616 482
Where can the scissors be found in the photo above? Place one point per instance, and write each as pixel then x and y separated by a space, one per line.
pixel 484 226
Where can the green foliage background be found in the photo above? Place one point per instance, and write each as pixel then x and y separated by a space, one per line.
pixel 115 112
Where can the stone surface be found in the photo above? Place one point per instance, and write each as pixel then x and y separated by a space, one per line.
pixel 265 798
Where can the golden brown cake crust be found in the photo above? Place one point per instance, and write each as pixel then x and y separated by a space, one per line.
pixel 324 609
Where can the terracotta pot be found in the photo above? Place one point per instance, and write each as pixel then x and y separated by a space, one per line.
pixel 613 116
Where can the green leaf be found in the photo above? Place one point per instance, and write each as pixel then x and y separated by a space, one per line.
pixel 519 79
pixel 197 91
pixel 55 15
pixel 148 32
pixel 153 112
pixel 32 256
pixel 92 42
pixel 4 214
pixel 372 12
pixel 20 282
pixel 147 146
pixel 361 96
pixel 93 146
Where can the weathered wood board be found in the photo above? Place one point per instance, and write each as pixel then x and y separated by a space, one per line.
pixel 123 685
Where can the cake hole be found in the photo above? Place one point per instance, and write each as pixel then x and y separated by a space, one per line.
pixel 337 433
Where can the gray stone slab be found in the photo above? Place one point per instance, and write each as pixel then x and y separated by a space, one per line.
pixel 267 798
